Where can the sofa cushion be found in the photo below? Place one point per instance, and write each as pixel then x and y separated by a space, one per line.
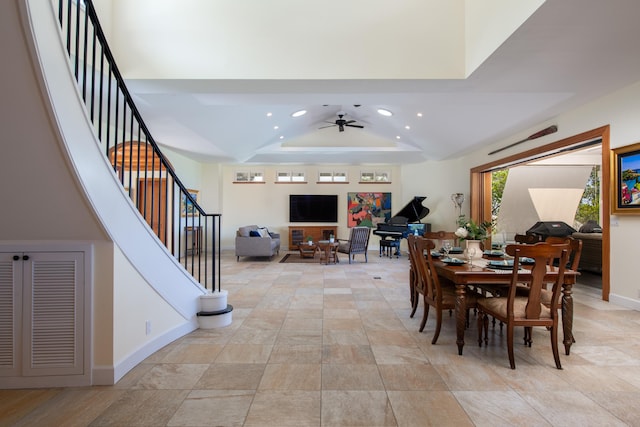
pixel 244 231
pixel 254 233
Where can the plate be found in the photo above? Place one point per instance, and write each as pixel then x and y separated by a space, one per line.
pixel 453 261
pixel 456 250
pixel 501 265
pixel 493 253
pixel 435 254
pixel 508 264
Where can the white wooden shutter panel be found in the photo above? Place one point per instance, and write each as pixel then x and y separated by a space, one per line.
pixel 10 311
pixel 54 316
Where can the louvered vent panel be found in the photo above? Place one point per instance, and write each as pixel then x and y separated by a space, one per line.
pixel 6 315
pixel 53 316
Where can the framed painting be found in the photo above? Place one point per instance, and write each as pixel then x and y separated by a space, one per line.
pixel 186 206
pixel 625 197
pixel 368 209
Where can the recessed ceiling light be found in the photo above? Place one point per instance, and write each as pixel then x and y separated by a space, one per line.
pixel 276 127
pixel 269 114
pixel 281 137
pixel 397 136
pixel 384 112
pixel 299 113
pixel 419 114
pixel 407 127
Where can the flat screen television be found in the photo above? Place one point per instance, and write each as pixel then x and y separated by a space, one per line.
pixel 313 208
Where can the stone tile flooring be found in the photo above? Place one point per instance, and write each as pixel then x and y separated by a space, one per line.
pixel 333 345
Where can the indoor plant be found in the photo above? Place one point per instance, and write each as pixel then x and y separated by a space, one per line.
pixel 468 229
pixel 310 240
pixel 473 233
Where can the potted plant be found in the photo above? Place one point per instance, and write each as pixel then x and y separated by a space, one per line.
pixel 331 238
pixel 473 233
pixel 310 240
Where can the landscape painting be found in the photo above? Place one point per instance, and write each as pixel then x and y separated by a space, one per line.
pixel 626 197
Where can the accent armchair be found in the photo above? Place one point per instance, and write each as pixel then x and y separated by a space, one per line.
pixel 358 243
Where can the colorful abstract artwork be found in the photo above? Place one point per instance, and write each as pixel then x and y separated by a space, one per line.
pixel 368 209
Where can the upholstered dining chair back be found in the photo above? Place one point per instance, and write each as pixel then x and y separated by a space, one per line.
pixel 358 243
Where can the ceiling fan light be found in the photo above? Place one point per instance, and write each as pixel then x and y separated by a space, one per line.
pixel 299 113
pixel 384 112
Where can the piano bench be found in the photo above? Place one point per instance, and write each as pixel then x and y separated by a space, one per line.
pixel 386 247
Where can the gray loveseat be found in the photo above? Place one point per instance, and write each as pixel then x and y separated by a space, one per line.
pixel 252 240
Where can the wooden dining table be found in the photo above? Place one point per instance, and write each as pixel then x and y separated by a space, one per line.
pixel 467 275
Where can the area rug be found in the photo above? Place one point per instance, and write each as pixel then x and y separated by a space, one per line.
pixel 294 258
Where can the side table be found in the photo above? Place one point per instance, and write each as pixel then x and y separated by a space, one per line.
pixel 307 250
pixel 328 252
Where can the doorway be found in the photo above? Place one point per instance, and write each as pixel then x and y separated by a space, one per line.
pixel 481 194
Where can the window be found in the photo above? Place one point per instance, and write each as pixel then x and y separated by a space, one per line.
pixel 287 176
pixel 332 177
pixel 249 176
pixel 375 177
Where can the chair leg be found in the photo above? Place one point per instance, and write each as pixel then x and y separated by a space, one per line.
pixel 436 334
pixel 527 336
pixel 554 346
pixel 512 361
pixel 485 325
pixel 480 327
pixel 414 304
pixel 425 314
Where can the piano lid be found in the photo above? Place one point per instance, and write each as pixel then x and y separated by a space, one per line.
pixel 413 211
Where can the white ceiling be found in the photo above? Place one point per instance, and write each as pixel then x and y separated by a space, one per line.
pixel 567 53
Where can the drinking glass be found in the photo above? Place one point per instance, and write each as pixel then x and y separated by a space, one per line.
pixel 471 252
pixel 446 247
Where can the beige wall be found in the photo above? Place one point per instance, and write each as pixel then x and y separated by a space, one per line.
pixel 265 204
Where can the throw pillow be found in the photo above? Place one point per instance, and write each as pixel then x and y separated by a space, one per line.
pixel 263 232
pixel 254 233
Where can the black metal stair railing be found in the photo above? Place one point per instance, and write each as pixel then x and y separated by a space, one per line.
pixel 171 210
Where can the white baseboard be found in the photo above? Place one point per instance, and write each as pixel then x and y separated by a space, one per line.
pixel 109 375
pixel 626 302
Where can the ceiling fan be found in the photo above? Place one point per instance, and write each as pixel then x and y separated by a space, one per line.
pixel 341 123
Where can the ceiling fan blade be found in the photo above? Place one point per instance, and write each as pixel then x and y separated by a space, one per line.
pixel 349 121
pixel 330 126
pixel 355 126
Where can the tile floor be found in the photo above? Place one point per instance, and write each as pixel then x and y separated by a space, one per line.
pixel 333 345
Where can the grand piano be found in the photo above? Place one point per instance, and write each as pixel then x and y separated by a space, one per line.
pixel 405 222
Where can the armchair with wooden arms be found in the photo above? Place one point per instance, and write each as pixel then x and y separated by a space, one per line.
pixel 358 243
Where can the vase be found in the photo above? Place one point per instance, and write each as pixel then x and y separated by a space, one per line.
pixel 475 244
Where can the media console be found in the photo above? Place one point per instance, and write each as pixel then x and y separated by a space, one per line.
pixel 298 234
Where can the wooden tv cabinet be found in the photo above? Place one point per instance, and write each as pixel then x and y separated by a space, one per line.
pixel 298 234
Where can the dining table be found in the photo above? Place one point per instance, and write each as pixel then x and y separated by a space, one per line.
pixel 468 275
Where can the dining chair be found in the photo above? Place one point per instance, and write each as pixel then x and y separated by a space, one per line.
pixel 527 311
pixel 427 284
pixel 575 250
pixel 441 236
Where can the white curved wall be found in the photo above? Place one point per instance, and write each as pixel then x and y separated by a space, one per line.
pixel 63 188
